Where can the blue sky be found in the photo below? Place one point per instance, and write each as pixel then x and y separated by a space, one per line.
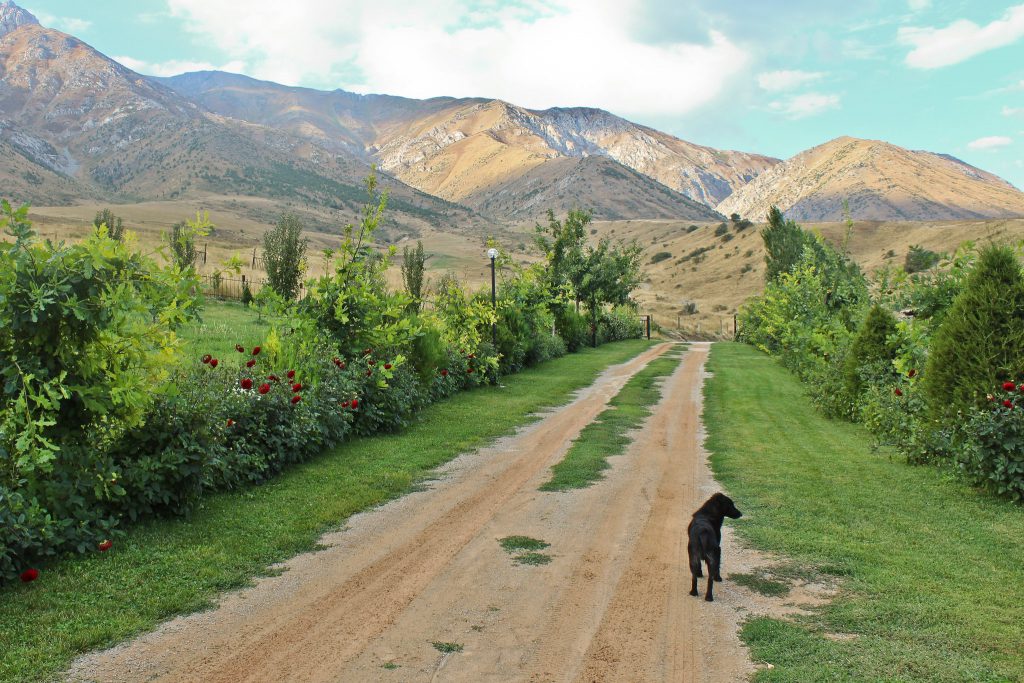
pixel 773 77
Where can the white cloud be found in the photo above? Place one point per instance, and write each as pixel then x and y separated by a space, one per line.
pixel 963 39
pixel 990 142
pixel 1013 111
pixel 71 25
pixel 174 66
pixel 773 81
pixel 540 54
pixel 802 106
pixel 918 5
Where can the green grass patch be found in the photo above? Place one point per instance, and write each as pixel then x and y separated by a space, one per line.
pixel 224 324
pixel 513 544
pixel 390 666
pixel 933 571
pixel 532 559
pixel 761 582
pixel 168 567
pixel 447 648
pixel 608 435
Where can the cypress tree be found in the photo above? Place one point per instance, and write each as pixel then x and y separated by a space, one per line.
pixel 871 345
pixel 981 341
pixel 783 243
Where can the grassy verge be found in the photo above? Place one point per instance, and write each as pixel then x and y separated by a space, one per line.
pixel 173 566
pixel 608 435
pixel 932 571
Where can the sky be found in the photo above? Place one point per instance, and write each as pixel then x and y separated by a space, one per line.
pixel 773 77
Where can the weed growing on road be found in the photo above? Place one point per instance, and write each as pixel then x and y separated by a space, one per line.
pixel 609 434
pixel 519 544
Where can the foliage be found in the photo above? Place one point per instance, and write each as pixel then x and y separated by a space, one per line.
pixel 563 243
pixel 114 224
pixel 875 344
pixel 413 266
pixel 721 229
pixel 610 274
pixel 740 224
pixel 284 256
pixel 783 242
pixel 981 339
pixel 993 455
pixel 919 258
pixel 661 256
pixel 182 240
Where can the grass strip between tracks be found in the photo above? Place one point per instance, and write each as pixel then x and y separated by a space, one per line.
pixel 173 566
pixel 609 434
pixel 931 572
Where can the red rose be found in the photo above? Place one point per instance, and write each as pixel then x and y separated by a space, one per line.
pixel 912 372
pixel 387 366
pixel 207 358
pixel 213 363
pixel 341 366
pixel 367 352
pixel 250 363
pixel 246 383
pixel 990 397
pixel 1009 386
pixel 355 403
pixel 898 392
pixel 239 348
pixel 256 350
pixel 231 423
pixel 470 371
pixel 369 372
pixel 444 373
pixel 296 387
pixel 105 545
pixel 296 398
pixel 1008 403
pixel 290 374
pixel 264 388
pixel 472 355
pixel 1020 387
pixel 337 361
pixel 29 575
pixel 273 378
pixel 372 362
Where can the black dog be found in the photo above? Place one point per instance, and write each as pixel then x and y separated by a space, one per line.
pixel 705 544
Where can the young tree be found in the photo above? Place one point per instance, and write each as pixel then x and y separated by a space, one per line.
pixel 609 274
pixel 563 243
pixel 182 240
pixel 783 242
pixel 115 226
pixel 284 253
pixel 413 265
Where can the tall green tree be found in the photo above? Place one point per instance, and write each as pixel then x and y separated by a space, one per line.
pixel 609 274
pixel 783 242
pixel 413 267
pixel 284 256
pixel 115 226
pixel 981 340
pixel 563 244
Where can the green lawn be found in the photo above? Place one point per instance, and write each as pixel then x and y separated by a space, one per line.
pixel 224 324
pixel 168 567
pixel 932 572
pixel 609 434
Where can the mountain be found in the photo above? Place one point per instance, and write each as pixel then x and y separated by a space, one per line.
pixel 457 148
pixel 880 181
pixel 85 126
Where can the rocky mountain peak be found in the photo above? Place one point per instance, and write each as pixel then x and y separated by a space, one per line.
pixel 12 16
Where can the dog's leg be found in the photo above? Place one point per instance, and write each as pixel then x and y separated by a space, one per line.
pixel 698 571
pixel 712 572
pixel 718 563
pixel 693 584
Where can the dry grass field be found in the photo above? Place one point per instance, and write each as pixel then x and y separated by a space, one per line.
pixel 713 273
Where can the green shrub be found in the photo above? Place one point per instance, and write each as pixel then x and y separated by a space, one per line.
pixel 874 345
pixel 919 258
pixel 660 256
pixel 721 229
pixel 284 254
pixel 572 327
pixel 993 455
pixel 981 339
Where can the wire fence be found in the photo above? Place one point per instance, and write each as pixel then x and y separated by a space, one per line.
pixel 220 287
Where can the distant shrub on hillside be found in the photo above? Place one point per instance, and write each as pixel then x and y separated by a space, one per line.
pixel 691 228
pixel 660 256
pixel 919 258
pixel 721 229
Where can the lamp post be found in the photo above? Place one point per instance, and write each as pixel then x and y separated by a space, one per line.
pixel 492 254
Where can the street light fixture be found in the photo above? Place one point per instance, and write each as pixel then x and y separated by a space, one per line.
pixel 492 254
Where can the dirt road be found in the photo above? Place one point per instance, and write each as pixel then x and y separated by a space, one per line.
pixel 612 605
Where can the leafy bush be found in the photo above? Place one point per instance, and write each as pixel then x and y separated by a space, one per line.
pixel 284 253
pixel 874 345
pixel 981 338
pixel 993 456
pixel 113 224
pixel 721 229
pixel 919 258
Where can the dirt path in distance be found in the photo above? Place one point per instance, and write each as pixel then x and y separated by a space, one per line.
pixel 612 605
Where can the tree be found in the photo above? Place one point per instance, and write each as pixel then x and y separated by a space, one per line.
pixel 563 242
pixel 182 240
pixel 783 243
pixel 981 340
pixel 115 226
pixel 284 253
pixel 413 265
pixel 919 258
pixel 610 273
pixel 873 345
